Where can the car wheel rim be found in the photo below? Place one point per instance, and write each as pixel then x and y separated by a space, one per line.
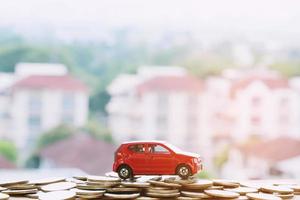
pixel 184 171
pixel 124 172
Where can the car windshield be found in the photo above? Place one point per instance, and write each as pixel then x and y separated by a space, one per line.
pixel 174 148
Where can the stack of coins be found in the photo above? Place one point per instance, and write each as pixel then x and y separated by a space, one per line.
pixel 146 188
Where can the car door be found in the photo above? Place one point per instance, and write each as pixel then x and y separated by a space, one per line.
pixel 161 159
pixel 137 158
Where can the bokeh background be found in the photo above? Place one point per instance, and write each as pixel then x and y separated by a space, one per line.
pixel 219 78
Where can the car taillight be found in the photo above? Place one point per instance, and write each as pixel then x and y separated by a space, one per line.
pixel 195 160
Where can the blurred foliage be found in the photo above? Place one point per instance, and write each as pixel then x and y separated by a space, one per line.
pixel 204 174
pixel 8 150
pixel 97 63
pixel 97 130
pixel 56 134
pixel 221 157
pixel 288 68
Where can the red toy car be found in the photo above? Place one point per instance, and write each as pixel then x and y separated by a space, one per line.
pixel 154 158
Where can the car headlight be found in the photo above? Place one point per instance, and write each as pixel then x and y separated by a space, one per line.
pixel 195 160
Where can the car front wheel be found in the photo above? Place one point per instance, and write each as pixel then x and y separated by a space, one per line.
pixel 124 172
pixel 183 171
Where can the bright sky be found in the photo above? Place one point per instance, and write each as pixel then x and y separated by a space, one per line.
pixel 254 15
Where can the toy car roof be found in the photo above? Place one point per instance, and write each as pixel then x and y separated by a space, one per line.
pixel 145 141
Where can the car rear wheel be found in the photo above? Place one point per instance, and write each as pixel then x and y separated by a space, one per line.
pixel 183 171
pixel 125 172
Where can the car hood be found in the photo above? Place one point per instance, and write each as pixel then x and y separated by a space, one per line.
pixel 185 153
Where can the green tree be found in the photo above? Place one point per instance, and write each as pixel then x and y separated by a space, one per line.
pixel 8 150
pixel 97 130
pixel 56 134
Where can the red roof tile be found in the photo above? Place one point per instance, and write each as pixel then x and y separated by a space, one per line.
pixel 6 164
pixel 171 83
pixel 81 151
pixel 65 82
pixel 274 150
pixel 271 82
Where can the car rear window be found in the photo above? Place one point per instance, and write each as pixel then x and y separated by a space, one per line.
pixel 137 148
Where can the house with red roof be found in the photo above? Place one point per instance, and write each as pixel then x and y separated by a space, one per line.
pixel 264 105
pixel 41 97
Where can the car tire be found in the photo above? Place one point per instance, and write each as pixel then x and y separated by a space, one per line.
pixel 125 172
pixel 183 171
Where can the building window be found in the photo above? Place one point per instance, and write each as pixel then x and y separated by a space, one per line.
pixel 34 123
pixel 68 106
pixel 35 103
pixel 256 101
pixel 34 120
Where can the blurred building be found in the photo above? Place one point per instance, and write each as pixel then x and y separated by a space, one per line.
pixel 265 105
pixel 84 152
pixel 278 157
pixel 163 103
pixel 38 98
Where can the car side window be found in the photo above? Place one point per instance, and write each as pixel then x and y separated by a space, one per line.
pixel 137 148
pixel 158 149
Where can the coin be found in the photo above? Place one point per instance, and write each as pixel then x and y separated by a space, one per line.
pixel 164 184
pixel 198 185
pixel 163 195
pixel 103 179
pixel 122 196
pixel 20 192
pixel 262 196
pixel 226 183
pixel 58 186
pixel 7 182
pixel 57 195
pixel 45 181
pixel 22 187
pixel 221 193
pixel 278 189
pixel 242 190
pixel 135 184
pixel 3 196
pixel 194 194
